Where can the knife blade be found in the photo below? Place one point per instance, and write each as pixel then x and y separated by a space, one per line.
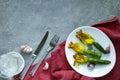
pixel 33 56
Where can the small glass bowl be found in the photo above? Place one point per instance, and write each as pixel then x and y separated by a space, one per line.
pixel 11 64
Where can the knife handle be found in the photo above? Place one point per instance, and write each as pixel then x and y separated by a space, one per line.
pixel 35 69
pixel 37 65
pixel 27 66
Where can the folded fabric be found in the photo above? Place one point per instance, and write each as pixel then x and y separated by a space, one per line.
pixel 112 28
pixel 59 68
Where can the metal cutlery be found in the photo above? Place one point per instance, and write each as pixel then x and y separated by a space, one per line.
pixel 52 45
pixel 33 56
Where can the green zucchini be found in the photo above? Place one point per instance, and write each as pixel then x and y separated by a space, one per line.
pixel 93 53
pixel 98 61
pixel 99 47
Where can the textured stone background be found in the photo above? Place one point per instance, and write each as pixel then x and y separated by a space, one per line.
pixel 26 21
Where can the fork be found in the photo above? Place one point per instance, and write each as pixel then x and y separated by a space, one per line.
pixel 52 45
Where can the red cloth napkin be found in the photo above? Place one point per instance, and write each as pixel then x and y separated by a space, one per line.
pixel 112 28
pixel 59 69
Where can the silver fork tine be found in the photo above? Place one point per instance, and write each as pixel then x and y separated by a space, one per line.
pixel 53 43
pixel 55 40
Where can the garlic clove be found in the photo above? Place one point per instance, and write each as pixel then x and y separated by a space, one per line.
pixel 46 66
pixel 30 49
pixel 91 65
pixel 107 50
pixel 22 47
pixel 26 49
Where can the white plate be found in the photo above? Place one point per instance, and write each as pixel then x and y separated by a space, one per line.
pixel 102 38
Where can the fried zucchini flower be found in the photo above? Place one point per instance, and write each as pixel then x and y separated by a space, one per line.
pixel 80 49
pixel 82 59
pixel 87 39
pixel 84 37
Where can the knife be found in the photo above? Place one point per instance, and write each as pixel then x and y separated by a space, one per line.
pixel 33 56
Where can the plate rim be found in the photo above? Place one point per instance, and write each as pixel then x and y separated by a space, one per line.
pixel 81 27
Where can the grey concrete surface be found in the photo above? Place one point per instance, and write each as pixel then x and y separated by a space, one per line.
pixel 26 21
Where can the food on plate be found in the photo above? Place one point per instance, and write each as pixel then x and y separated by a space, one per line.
pixel 84 37
pixel 98 61
pixel 91 65
pixel 81 59
pixel 89 40
pixel 98 46
pixel 107 49
pixel 87 55
pixel 80 49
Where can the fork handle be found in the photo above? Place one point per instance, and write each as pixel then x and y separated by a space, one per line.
pixel 49 49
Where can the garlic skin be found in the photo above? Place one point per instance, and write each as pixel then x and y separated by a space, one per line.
pixel 91 66
pixel 26 49
pixel 46 66
pixel 107 50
